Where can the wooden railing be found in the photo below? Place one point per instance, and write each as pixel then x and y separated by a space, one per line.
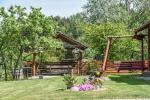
pixel 84 66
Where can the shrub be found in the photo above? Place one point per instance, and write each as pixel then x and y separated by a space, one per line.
pixel 69 80
pixel 91 68
pixel 95 78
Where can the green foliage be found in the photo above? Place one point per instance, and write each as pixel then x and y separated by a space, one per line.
pixel 92 67
pixel 96 35
pixel 131 12
pixel 72 25
pixel 69 80
pixel 101 18
pixel 98 11
pixel 21 32
pixel 126 49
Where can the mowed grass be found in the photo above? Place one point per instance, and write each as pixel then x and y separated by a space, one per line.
pixel 118 87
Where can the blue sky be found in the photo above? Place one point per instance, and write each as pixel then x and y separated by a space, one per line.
pixel 63 8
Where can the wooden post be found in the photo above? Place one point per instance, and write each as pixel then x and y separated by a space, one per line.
pixel 106 53
pixel 72 72
pixel 34 64
pixel 78 67
pixel 79 62
pixel 149 49
pixel 142 53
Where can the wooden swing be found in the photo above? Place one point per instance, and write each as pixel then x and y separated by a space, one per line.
pixel 125 65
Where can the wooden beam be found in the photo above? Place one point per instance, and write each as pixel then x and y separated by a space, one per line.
pixel 145 26
pixel 107 53
pixel 124 36
pixel 70 40
pixel 79 62
pixel 142 53
pixel 149 49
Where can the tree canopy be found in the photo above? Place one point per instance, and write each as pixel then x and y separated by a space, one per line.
pixel 22 32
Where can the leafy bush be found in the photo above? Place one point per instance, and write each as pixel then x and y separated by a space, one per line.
pixel 69 80
pixel 92 67
pixel 95 78
pixel 2 75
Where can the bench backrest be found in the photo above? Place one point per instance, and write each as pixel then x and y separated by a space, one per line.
pixel 122 64
pixel 133 64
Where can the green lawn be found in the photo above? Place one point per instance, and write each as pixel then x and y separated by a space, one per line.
pixel 119 86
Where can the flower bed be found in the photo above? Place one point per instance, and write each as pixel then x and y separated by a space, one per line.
pixel 93 82
pixel 83 87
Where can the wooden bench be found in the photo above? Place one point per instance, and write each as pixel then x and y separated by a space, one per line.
pixel 130 65
pixel 123 66
pixel 138 65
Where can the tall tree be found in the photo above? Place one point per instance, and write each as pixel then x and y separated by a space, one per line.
pixel 130 12
pixel 71 25
pixel 21 32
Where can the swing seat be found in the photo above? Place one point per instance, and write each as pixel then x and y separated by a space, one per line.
pixel 137 65
pixel 131 65
pixel 123 66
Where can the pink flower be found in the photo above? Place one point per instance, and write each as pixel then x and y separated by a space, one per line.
pixel 86 87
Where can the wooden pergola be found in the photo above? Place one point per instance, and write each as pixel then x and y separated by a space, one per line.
pixel 145 27
pixel 139 37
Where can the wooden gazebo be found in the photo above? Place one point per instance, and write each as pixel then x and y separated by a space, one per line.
pixel 74 44
pixel 71 45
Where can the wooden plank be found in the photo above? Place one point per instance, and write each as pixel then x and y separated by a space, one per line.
pixel 142 53
pixel 57 63
pixel 71 41
pixel 149 49
pixel 145 26
pixel 107 53
pixel 124 36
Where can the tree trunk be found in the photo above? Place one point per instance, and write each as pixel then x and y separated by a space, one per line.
pixel 17 63
pixel 34 64
pixel 5 66
pixel 149 49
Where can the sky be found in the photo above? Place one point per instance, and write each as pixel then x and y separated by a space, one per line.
pixel 63 8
